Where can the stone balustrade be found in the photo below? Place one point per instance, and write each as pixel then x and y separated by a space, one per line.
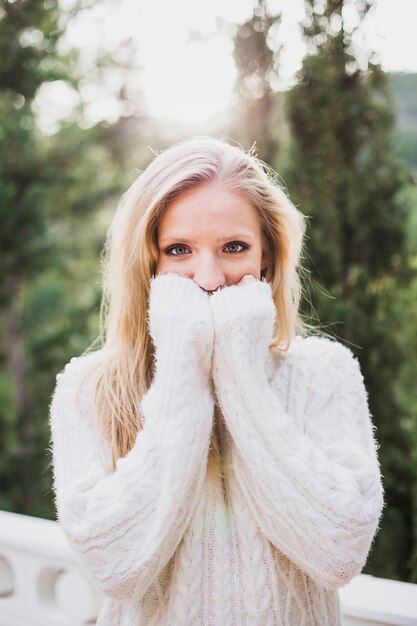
pixel 41 584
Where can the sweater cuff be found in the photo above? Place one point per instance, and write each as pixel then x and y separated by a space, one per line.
pixel 244 315
pixel 232 302
pixel 167 289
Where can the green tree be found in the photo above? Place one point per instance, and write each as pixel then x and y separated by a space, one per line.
pixel 50 241
pixel 404 89
pixel 259 105
pixel 344 177
pixel 29 34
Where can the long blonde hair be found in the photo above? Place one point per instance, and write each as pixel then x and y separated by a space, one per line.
pixel 130 256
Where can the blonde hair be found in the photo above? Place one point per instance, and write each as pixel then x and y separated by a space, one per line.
pixel 130 256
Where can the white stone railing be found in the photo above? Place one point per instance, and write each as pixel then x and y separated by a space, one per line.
pixel 371 601
pixel 41 584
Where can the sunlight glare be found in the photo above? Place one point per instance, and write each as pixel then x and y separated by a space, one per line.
pixel 177 58
pixel 192 82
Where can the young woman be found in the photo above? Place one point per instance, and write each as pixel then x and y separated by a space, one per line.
pixel 214 462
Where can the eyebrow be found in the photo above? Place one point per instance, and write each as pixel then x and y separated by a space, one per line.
pixel 174 237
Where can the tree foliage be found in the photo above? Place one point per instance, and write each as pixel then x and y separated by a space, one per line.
pixel 345 178
pixel 259 107
pixel 49 188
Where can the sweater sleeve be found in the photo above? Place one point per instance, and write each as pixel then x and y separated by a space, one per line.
pixel 315 491
pixel 125 526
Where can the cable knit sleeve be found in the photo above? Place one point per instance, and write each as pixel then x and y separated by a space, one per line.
pixel 314 490
pixel 126 525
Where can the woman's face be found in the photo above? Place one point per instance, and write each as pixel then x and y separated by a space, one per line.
pixel 212 235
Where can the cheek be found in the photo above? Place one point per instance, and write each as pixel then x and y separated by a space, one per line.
pixel 159 264
pixel 163 261
pixel 255 259
pixel 250 264
pixel 166 264
pixel 163 264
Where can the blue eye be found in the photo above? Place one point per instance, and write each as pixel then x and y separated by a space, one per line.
pixel 237 243
pixel 172 248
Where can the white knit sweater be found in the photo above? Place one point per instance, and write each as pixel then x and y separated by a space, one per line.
pixel 253 491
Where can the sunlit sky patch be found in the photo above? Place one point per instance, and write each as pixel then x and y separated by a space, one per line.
pixel 178 55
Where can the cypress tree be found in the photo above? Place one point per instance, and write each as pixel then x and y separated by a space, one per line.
pixel 344 177
pixel 29 34
pixel 258 108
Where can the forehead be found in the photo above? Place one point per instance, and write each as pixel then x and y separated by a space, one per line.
pixel 210 205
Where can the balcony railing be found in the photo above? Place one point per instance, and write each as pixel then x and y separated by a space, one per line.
pixel 41 584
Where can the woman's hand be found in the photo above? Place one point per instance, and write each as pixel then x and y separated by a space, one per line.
pixel 244 316
pixel 179 316
pixel 247 279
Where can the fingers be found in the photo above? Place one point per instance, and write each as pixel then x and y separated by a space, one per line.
pixel 247 279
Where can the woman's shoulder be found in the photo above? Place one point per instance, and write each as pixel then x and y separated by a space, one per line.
pixel 80 366
pixel 72 416
pixel 311 352
pixel 77 376
pixel 318 346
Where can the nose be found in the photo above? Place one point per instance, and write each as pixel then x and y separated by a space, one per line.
pixel 209 275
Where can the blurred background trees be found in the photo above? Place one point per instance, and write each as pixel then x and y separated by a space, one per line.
pixel 344 174
pixel 344 141
pixel 259 105
pixel 50 189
